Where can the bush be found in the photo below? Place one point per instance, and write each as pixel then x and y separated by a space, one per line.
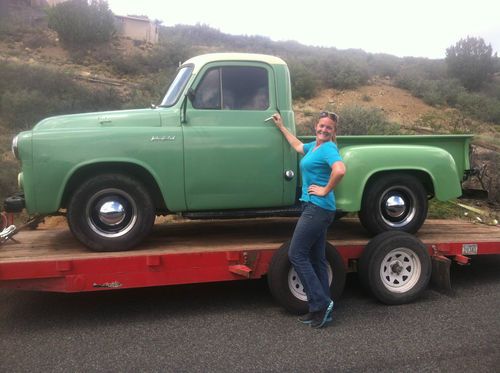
pixel 448 122
pixel 348 76
pixel 304 83
pixel 164 57
pixel 479 106
pixel 8 167
pixel 450 92
pixel 77 22
pixel 441 92
pixel 357 120
pixel 37 39
pixel 29 94
pixel 471 61
pixel 341 73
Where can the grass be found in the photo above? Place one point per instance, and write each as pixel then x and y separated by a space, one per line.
pixel 470 212
pixel 444 210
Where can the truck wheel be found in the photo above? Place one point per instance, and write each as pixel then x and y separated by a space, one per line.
pixel 396 267
pixel 286 287
pixel 394 202
pixel 111 213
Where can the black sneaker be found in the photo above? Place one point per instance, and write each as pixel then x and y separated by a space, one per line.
pixel 308 317
pixel 320 318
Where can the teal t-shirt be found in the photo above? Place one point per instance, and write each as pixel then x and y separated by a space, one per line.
pixel 316 168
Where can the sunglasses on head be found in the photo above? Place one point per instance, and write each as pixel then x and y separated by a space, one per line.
pixel 329 114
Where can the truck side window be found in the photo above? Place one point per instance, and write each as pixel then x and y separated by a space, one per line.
pixel 208 91
pixel 243 88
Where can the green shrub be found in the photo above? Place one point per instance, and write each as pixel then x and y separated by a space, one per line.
pixel 342 73
pixel 77 22
pixel 128 64
pixel 304 83
pixel 164 57
pixel 471 61
pixel 348 76
pixel 446 122
pixel 29 94
pixel 450 92
pixel 37 39
pixel 479 106
pixel 357 120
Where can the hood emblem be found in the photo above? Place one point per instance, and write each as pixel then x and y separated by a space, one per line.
pixel 162 138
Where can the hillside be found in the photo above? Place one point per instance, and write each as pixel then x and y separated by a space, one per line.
pixel 91 68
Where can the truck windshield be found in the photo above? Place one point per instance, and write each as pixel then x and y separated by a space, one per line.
pixel 177 86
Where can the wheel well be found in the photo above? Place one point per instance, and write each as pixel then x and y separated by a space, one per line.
pixel 423 176
pixel 131 170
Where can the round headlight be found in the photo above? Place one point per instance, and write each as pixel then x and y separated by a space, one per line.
pixel 14 147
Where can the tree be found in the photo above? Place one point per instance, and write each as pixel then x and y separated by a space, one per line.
pixel 471 61
pixel 80 22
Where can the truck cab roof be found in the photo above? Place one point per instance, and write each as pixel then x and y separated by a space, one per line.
pixel 201 60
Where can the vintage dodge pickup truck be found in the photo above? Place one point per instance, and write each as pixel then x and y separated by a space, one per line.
pixel 207 152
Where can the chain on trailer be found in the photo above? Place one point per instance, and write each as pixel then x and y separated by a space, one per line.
pixel 9 231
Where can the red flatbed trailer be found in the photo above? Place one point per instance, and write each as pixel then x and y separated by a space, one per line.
pixel 203 251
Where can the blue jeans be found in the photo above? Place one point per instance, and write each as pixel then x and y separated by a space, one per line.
pixel 307 254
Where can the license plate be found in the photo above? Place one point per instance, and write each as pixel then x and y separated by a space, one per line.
pixel 469 249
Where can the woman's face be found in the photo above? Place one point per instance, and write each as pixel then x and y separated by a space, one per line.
pixel 325 130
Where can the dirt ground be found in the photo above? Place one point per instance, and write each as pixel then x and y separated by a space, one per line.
pixel 397 104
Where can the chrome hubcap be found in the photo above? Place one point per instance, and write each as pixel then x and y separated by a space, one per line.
pixel 397 206
pixel 111 213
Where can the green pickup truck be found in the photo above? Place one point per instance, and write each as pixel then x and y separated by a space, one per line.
pixel 208 152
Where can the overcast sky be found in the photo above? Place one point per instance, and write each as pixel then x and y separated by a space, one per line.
pixel 423 28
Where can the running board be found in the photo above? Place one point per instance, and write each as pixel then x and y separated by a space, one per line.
pixel 292 211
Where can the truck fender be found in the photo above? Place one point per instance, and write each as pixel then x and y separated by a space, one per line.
pixel 127 166
pixel 365 162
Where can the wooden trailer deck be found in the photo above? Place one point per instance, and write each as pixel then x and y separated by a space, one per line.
pixel 235 235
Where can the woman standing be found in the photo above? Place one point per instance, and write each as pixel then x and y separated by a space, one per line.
pixel 321 169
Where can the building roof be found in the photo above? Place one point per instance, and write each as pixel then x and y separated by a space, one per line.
pixel 135 18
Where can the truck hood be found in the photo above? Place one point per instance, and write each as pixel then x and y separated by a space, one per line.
pixel 122 118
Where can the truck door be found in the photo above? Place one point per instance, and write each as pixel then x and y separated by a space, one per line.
pixel 233 158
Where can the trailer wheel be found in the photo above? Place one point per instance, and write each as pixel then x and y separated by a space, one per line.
pixel 396 267
pixel 286 287
pixel 110 213
pixel 394 202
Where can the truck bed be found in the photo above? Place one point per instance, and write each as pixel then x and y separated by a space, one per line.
pixel 228 235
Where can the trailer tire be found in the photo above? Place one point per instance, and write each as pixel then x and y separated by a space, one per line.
pixel 394 202
pixel 396 267
pixel 286 287
pixel 111 212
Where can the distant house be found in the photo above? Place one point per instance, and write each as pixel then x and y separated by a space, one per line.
pixel 40 3
pixel 138 28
